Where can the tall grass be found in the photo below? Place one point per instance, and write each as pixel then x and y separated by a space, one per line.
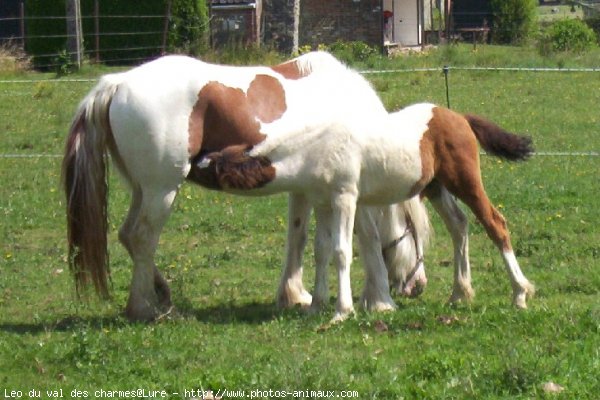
pixel 13 59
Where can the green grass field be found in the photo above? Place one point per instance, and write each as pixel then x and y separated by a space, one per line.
pixel 222 255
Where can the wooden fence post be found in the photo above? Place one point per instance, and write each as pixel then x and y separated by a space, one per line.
pixel 22 23
pixel 166 28
pixel 74 34
pixel 97 29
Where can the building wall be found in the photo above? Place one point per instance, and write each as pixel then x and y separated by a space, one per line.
pixel 322 22
pixel 471 13
pixel 278 24
pixel 239 26
pixel 347 20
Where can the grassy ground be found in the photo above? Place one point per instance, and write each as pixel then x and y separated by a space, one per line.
pixel 222 255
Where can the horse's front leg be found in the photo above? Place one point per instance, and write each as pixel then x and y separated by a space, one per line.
pixel 342 225
pixel 323 250
pixel 291 288
pixel 376 293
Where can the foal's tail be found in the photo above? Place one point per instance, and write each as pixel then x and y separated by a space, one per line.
pixel 498 142
pixel 84 175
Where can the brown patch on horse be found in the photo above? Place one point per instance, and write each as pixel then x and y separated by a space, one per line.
pixel 289 70
pixel 266 98
pixel 453 145
pixel 224 116
pixel 233 169
pixel 427 151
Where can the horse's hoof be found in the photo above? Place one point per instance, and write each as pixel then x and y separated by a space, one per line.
pixel 146 311
pixel 461 295
pixel 316 306
pixel 414 291
pixel 290 299
pixel 141 314
pixel 341 316
pixel 522 293
pixel 370 305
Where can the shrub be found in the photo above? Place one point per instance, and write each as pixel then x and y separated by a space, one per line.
pixel 350 52
pixel 514 20
pixel 567 35
pixel 189 29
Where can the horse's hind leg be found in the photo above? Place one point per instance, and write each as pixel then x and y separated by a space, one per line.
pixel 291 289
pixel 472 193
pixel 457 224
pixel 149 293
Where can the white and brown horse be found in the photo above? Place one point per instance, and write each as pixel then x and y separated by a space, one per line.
pixel 422 149
pixel 162 118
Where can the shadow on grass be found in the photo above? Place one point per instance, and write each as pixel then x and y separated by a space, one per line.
pixel 247 313
pixel 66 324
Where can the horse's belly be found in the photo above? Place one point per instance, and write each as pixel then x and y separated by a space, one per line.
pixel 397 191
pixel 391 184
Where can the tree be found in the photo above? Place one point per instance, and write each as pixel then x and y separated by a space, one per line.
pixel 514 20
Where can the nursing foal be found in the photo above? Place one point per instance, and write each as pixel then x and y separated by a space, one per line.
pixel 422 149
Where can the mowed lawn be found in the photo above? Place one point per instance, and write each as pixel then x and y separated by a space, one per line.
pixel 222 255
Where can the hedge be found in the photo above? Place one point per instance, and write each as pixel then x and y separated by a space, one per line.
pixel 120 38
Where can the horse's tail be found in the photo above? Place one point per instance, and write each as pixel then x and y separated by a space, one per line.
pixel 498 142
pixel 85 180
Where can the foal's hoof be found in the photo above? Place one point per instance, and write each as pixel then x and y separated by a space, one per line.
pixel 521 294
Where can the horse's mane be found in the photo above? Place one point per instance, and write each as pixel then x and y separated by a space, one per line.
pixel 318 61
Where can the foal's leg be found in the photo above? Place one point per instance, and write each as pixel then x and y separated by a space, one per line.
pixel 376 293
pixel 291 289
pixel 323 249
pixel 457 224
pixel 473 194
pixel 343 213
pixel 149 294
